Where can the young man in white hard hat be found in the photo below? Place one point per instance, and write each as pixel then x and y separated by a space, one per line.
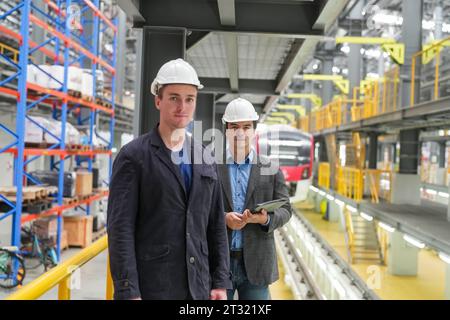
pixel 166 230
pixel 248 181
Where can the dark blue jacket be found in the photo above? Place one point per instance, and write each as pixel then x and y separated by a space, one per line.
pixel 163 245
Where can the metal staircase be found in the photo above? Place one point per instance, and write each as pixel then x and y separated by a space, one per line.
pixel 362 240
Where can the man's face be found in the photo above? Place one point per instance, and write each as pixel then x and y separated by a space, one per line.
pixel 176 105
pixel 240 135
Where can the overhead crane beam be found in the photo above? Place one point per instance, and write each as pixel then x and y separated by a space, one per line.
pixel 395 50
pixel 290 116
pixel 297 108
pixel 342 84
pixel 281 120
pixel 316 100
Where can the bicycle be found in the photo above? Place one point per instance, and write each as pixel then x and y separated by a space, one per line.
pixel 11 260
pixel 37 251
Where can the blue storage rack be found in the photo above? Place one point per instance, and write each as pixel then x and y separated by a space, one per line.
pixel 62 23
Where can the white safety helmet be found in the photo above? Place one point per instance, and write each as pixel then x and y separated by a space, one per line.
pixel 175 71
pixel 239 110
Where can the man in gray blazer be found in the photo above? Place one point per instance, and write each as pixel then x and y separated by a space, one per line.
pixel 247 179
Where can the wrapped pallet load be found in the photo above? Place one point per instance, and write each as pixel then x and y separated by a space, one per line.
pixel 42 76
pixel 101 138
pixel 57 73
pixel 73 135
pixel 87 83
pixel 54 126
pixel 74 79
pixel 34 133
pixel 31 73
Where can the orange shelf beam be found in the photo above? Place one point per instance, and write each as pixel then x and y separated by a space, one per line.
pixel 69 98
pixel 58 152
pixel 60 95
pixel 60 209
pixel 10 92
pixel 16 36
pixel 100 14
pixel 68 42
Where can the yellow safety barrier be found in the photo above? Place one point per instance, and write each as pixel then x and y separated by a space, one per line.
pixel 349 183
pixel 12 53
pixel 380 184
pixel 324 175
pixel 349 234
pixel 430 53
pixel 378 96
pixel 304 123
pixel 61 275
pixel 372 98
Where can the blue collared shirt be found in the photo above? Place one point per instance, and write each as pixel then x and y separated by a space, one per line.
pixel 183 159
pixel 239 175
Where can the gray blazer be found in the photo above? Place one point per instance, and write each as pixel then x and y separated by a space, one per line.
pixel 259 251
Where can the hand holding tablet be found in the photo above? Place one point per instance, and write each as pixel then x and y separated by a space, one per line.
pixel 270 206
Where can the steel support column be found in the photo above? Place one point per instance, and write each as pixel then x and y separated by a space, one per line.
pixel 409 151
pixel 121 52
pixel 307 102
pixel 327 68
pixel 355 67
pixel 442 152
pixel 373 149
pixel 159 45
pixel 204 113
pixel 412 11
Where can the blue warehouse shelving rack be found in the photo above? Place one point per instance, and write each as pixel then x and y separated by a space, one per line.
pixel 67 43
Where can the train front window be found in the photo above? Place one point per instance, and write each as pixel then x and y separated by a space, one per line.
pixel 290 153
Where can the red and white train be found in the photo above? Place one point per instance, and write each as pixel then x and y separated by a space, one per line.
pixel 294 149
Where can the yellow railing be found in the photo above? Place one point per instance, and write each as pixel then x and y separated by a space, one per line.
pixel 379 96
pixel 349 232
pixel 324 175
pixel 372 98
pixel 304 123
pixel 349 182
pixel 12 53
pixel 61 275
pixel 430 53
pixel 334 114
pixel 380 184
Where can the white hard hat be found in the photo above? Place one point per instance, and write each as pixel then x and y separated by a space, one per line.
pixel 175 71
pixel 239 110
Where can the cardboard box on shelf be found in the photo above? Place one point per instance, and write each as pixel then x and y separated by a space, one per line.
pixel 83 183
pixel 34 133
pixel 87 84
pixel 64 240
pixel 79 230
pixel 46 228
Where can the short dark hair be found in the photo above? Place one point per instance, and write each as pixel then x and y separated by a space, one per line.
pixel 253 122
pixel 159 91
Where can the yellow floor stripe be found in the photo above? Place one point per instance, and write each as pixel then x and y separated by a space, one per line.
pixel 428 284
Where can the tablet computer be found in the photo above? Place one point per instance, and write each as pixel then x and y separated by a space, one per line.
pixel 270 206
